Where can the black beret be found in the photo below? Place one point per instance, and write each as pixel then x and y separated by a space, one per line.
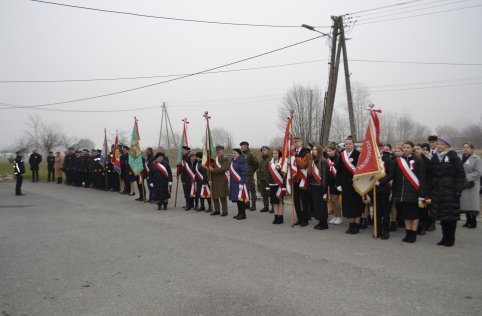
pixel 186 147
pixel 199 154
pixel 237 150
pixel 158 154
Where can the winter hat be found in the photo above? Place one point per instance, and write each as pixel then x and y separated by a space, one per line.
pixel 445 139
pixel 237 150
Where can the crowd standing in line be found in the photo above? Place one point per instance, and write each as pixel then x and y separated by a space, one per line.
pixel 423 183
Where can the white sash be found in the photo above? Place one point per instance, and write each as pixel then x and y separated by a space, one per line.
pixel 218 165
pixel 346 160
pixel 409 174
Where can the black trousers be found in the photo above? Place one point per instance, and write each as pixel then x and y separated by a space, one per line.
pixel 318 204
pixel 186 187
pixel 383 212
pixel 35 175
pixel 18 184
pixel 51 175
pixel 302 203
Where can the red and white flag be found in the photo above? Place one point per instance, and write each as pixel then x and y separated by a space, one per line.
pixel 288 158
pixel 370 165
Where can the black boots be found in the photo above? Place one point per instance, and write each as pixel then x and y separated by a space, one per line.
pixel 471 220
pixel 353 229
pixel 271 211
pixel 363 223
pixel 241 215
pixel 278 219
pixel 410 236
pixel 322 225
pixel 393 226
pixel 448 233
pixel 265 209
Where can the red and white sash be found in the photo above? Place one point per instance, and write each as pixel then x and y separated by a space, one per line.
pixel 408 172
pixel 315 173
pixel 205 191
pixel 161 168
pixel 199 175
pixel 243 195
pixel 331 164
pixel 277 177
pixel 192 176
pixel 348 164
pixel 218 165
pixel 303 174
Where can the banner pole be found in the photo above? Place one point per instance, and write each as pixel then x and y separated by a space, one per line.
pixel 375 223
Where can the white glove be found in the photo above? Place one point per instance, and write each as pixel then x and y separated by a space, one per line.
pixel 339 188
pixel 267 188
pixel 170 184
pixel 151 185
pixel 325 196
pixel 240 187
pixel 377 184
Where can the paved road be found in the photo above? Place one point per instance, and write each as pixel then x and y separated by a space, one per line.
pixel 74 251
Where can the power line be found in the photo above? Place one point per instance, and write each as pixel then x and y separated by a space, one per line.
pixel 170 80
pixel 384 7
pixel 160 76
pixel 170 18
pixel 413 10
pixel 413 16
pixel 403 8
pixel 236 70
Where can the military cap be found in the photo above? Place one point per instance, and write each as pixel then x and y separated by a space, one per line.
pixel 219 147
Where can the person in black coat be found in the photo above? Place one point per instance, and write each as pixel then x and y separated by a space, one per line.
pixel 276 181
pixel 332 158
pixel 202 184
pixel 424 212
pixel 160 177
pixel 352 203
pixel 447 185
pixel 18 170
pixel 409 189
pixel 384 188
pixel 317 178
pixel 68 166
pixel 50 167
pixel 34 160
pixel 186 182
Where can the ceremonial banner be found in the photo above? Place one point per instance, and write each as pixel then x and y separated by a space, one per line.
pixel 370 165
pixel 135 153
pixel 288 158
pixel 184 142
pixel 209 152
pixel 116 155
pixel 105 151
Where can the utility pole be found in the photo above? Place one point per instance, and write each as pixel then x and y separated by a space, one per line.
pixel 338 45
pixel 171 139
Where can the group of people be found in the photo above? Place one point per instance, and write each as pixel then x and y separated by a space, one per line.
pixel 422 183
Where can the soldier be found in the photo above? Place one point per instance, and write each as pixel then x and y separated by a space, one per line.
pixel 68 166
pixel 34 161
pixel 18 170
pixel 261 176
pixel 51 167
pixel 253 165
pixel 124 161
pixel 352 203
pixel 84 168
pixel 76 169
pixel 300 183
pixel 219 182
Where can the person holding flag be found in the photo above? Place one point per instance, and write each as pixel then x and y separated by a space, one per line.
pixel 409 189
pixel 219 182
pixel 181 162
pixel 352 203
pixel 238 191
pixel 135 158
pixel 300 182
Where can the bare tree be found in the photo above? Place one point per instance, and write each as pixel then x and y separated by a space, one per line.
pixel 473 133
pixel 83 143
pixel 307 105
pixel 339 127
pixel 361 100
pixel 50 137
pixel 446 130
pixel 172 142
pixel 32 135
pixel 221 136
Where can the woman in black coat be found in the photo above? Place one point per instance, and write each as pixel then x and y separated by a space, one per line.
pixel 409 189
pixel 160 175
pixel 448 178
pixel 317 178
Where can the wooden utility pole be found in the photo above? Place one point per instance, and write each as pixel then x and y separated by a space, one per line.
pixel 171 139
pixel 338 45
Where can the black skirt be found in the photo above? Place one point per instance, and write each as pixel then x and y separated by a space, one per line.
pixel 408 211
pixel 352 205
pixel 273 198
pixel 333 190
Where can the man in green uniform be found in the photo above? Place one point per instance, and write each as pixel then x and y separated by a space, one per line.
pixel 219 182
pixel 253 165
pixel 261 176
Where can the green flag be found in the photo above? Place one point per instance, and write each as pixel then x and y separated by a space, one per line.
pixel 135 153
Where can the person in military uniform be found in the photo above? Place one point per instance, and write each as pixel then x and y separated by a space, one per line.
pixel 219 182
pixel 18 170
pixel 76 169
pixel 261 176
pixel 124 161
pixel 34 161
pixel 253 165
pixel 68 166
pixel 51 167
pixel 186 183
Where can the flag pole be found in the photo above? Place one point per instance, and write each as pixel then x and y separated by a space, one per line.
pixel 105 153
pixel 207 144
pixel 292 112
pixel 375 226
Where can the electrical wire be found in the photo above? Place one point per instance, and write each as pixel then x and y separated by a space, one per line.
pixel 415 62
pixel 413 16
pixel 170 18
pixel 384 7
pixel 170 80
pixel 413 10
pixel 403 8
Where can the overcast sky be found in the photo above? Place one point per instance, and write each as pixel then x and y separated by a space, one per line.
pixel 47 42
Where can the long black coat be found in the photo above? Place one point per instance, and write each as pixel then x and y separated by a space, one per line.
pixel 160 183
pixel 402 189
pixel 448 178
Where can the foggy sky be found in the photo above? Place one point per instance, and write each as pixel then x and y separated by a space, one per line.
pixel 46 42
